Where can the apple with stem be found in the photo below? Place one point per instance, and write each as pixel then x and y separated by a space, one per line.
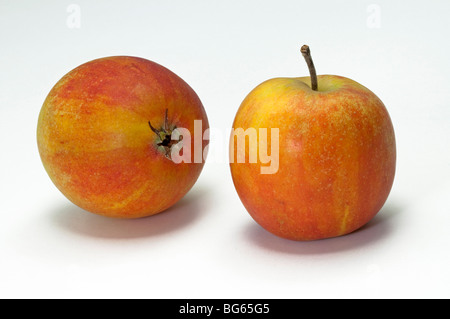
pixel 337 155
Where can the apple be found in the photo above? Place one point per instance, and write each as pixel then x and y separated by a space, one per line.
pixel 105 136
pixel 336 155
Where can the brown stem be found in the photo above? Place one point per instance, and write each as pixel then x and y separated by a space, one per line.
pixel 306 52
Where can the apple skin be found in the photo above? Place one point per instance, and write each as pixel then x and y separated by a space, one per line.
pixel 95 141
pixel 337 157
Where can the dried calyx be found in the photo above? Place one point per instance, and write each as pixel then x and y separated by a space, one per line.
pixel 165 136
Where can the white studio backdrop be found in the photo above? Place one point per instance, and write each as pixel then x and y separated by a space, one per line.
pixel 207 246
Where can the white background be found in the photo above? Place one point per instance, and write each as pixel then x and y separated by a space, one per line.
pixel 207 245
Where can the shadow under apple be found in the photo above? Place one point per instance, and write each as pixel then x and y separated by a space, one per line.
pixel 377 229
pixel 75 219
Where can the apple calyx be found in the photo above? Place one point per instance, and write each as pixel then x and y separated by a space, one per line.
pixel 306 52
pixel 165 136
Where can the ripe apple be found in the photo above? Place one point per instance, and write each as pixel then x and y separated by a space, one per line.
pixel 336 155
pixel 97 141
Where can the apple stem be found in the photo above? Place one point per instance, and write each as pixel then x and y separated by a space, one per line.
pixel 306 52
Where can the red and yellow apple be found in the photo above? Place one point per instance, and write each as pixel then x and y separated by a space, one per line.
pixel 97 141
pixel 337 156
